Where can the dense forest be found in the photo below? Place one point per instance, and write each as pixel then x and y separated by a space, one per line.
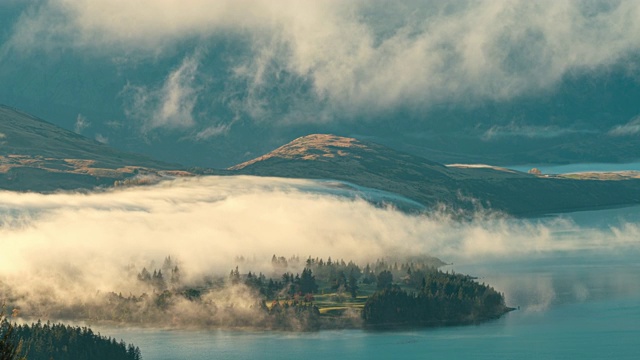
pixel 290 294
pixel 47 341
pixel 442 299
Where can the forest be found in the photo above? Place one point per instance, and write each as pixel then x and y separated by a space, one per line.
pixel 290 294
pixel 442 299
pixel 45 341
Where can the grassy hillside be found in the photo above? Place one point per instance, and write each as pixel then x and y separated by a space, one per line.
pixel 38 156
pixel 433 184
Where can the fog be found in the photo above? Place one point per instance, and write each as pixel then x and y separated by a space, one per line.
pixel 64 248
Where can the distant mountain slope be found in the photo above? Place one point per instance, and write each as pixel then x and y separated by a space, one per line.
pixel 321 156
pixel 38 156
pixel 432 184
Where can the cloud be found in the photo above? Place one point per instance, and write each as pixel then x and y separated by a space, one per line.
pixel 512 130
pixel 208 221
pixel 81 124
pixel 629 129
pixel 169 106
pixel 341 58
pixel 63 249
pixel 212 131
pixel 102 139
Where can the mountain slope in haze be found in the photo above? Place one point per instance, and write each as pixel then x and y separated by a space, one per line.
pixel 38 156
pixel 433 184
pixel 322 156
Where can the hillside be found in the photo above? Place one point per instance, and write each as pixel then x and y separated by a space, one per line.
pixel 38 156
pixel 433 184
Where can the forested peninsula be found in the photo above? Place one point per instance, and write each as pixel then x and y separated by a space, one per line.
pixel 294 295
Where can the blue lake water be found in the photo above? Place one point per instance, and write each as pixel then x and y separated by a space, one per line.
pixel 573 168
pixel 582 304
pixel 606 329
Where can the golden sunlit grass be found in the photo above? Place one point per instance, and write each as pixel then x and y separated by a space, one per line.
pixel 311 147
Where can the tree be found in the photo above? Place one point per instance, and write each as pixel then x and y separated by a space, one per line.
pixel 10 346
pixel 308 282
pixel 175 276
pixel 158 280
pixel 58 341
pixel 234 276
pixel 353 284
pixel 384 280
pixel 443 299
pixel 338 280
pixel 144 275
pixel 167 264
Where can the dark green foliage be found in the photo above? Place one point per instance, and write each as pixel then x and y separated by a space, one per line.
pixel 353 284
pixel 315 298
pixel 308 282
pixel 338 280
pixel 384 280
pixel 289 284
pixel 60 342
pixel 8 344
pixel 298 315
pixel 443 299
pixel 333 272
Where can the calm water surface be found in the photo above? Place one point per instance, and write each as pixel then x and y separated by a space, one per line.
pixel 573 305
pixel 573 168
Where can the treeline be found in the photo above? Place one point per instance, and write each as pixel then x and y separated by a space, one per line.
pixel 47 341
pixel 292 294
pixel 317 275
pixel 442 299
pixel 339 276
pixel 288 286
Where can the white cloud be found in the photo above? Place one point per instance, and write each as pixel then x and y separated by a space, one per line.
pixel 212 131
pixel 528 131
pixel 629 129
pixel 81 124
pixel 356 56
pixel 65 248
pixel 102 139
pixel 207 221
pixel 169 106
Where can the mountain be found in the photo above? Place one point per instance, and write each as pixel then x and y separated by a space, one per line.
pixel 38 156
pixel 321 156
pixel 460 187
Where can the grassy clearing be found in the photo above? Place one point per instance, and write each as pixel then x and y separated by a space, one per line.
pixel 335 304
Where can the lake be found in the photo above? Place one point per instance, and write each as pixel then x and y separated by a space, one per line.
pixel 577 304
pixel 574 168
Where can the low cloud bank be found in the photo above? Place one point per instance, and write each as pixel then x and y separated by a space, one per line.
pixel 70 246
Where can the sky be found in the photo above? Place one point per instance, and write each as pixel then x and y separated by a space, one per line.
pixel 213 83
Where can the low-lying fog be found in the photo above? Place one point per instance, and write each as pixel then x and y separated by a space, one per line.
pixel 70 246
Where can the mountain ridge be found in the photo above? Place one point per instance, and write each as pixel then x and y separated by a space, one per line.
pixel 461 188
pixel 38 156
